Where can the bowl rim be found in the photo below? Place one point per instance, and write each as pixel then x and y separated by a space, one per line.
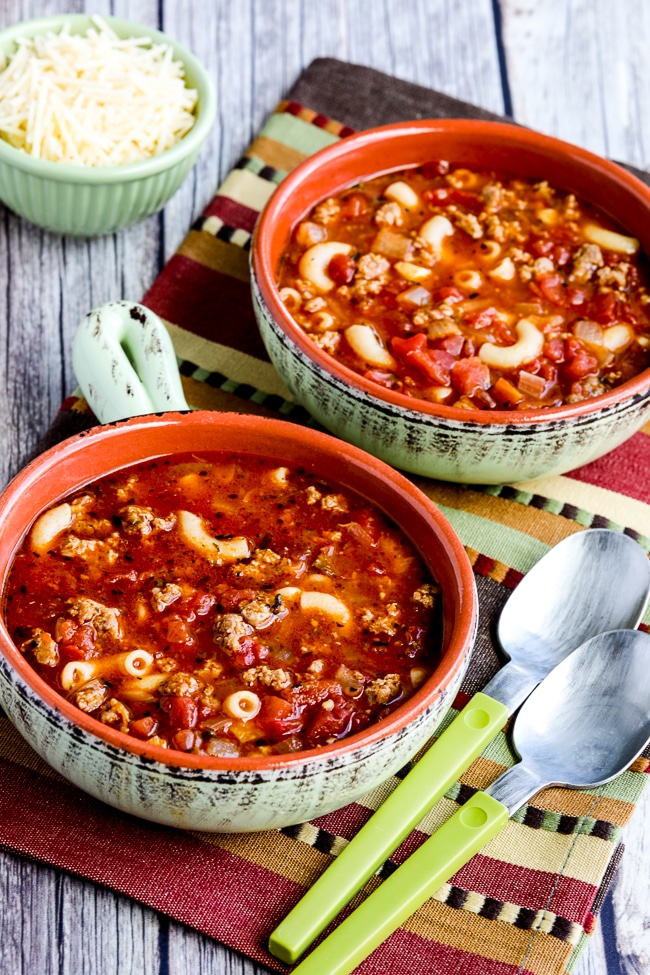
pixel 127 172
pixel 453 663
pixel 271 218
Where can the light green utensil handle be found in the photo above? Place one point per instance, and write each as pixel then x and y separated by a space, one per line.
pixel 450 847
pixel 125 363
pixel 454 751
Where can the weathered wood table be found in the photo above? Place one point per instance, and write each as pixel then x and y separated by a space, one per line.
pixel 576 69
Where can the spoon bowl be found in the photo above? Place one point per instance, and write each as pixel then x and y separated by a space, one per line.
pixel 593 581
pixel 590 718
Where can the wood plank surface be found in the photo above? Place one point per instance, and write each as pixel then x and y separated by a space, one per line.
pixel 573 68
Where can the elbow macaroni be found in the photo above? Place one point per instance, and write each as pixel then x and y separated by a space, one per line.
pixel 528 345
pixel 435 230
pixel 363 339
pixel 315 261
pixel 134 663
pixel 468 279
pixel 242 705
pixel 325 603
pixel 216 549
pixel 50 524
pixel 610 240
pixel 403 194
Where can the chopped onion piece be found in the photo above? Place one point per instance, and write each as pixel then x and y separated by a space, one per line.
pixel 588 331
pixel 392 244
pixel 414 297
pixel 618 337
pixel 531 385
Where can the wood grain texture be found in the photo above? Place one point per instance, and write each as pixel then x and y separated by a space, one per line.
pixel 573 68
pixel 578 70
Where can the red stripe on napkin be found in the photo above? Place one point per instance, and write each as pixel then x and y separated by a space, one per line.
pixel 624 470
pixel 535 889
pixel 233 214
pixel 207 303
pixel 406 953
pixel 220 891
pixel 345 822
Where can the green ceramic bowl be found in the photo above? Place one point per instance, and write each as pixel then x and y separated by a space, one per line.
pixel 88 202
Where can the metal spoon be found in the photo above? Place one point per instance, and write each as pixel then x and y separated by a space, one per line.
pixel 590 582
pixel 585 724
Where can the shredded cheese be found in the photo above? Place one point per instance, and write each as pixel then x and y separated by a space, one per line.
pixel 93 99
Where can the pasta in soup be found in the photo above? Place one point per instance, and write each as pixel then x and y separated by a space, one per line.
pixel 470 289
pixel 224 605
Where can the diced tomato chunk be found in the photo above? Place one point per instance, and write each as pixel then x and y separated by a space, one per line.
pixel 232 599
pixel 444 196
pixel 183 740
pixel 177 631
pixel 327 724
pixel 483 318
pixel 448 293
pixel 182 711
pixel 554 350
pixel 406 347
pixel 354 205
pixel 202 602
pixel 369 524
pixel 278 719
pixel 143 727
pixel 469 375
pixel 575 295
pixel 602 308
pixel 341 269
pixel 380 377
pixel 453 344
pixel 64 630
pixel 541 246
pixel 579 361
pixel 561 254
pixel 78 643
pixel 548 371
pixel 249 653
pixel 552 287
pixel 434 364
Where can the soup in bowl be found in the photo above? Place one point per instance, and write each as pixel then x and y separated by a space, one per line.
pixel 226 622
pixel 475 308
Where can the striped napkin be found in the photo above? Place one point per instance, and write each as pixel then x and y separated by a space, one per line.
pixel 529 901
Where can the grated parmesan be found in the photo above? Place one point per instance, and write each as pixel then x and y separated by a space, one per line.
pixel 93 99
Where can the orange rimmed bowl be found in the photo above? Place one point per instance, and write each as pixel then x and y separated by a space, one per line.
pixel 468 446
pixel 204 792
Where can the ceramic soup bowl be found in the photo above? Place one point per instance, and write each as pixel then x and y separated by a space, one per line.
pixel 204 792
pixel 464 445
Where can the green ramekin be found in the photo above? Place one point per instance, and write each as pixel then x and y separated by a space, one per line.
pixel 89 202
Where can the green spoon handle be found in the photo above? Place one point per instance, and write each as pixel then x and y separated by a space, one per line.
pixel 407 889
pixel 456 748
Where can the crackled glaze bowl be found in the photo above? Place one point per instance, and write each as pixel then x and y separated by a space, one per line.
pixel 224 794
pixel 468 445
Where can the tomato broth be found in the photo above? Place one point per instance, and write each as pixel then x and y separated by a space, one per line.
pixel 470 289
pixel 223 604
